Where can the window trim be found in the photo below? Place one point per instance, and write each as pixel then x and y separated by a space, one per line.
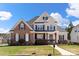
pixel 45 17
pixel 22 26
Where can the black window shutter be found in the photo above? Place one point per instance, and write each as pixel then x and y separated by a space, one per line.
pixel 43 27
pixel 35 27
pixel 63 37
pixel 54 28
pixel 44 36
pixel 35 36
pixel 47 27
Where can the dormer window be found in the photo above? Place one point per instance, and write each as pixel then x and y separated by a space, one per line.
pixel 45 18
pixel 22 26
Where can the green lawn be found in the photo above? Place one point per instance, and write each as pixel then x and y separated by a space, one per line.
pixel 72 48
pixel 27 50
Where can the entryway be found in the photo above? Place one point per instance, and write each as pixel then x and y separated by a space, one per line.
pixel 23 39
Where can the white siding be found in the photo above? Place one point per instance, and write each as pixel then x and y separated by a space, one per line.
pixel 74 36
pixel 50 21
pixel 65 35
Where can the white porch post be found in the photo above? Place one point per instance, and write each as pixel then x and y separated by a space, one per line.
pixel 17 37
pixel 48 36
pixel 27 37
pixel 57 37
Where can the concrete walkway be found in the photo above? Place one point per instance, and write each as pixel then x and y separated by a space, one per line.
pixel 63 52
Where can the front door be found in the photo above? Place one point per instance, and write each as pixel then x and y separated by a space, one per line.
pixel 22 39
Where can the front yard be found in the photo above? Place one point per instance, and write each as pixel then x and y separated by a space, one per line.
pixel 72 48
pixel 28 50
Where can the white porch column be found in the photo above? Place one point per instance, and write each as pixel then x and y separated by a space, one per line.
pixel 53 36
pixel 48 36
pixel 27 37
pixel 17 37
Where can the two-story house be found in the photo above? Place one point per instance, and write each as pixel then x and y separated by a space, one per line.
pixel 43 27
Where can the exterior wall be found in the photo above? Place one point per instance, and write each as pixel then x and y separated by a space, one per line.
pixel 32 38
pixel 74 35
pixel 62 38
pixel 63 33
pixel 20 32
pixel 16 30
pixel 48 22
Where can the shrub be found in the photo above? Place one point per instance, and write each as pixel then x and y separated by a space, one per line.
pixel 41 42
pixel 62 41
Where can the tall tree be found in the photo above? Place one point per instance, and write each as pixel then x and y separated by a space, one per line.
pixel 69 29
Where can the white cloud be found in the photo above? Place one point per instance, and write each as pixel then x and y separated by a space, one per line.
pixel 76 22
pixel 4 30
pixel 5 15
pixel 73 10
pixel 61 21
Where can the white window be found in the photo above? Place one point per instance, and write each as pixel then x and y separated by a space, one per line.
pixel 61 37
pixel 45 18
pixel 39 36
pixel 51 27
pixel 39 27
pixel 21 26
pixel 75 30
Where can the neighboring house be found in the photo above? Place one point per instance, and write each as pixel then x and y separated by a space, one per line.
pixel 4 37
pixel 75 34
pixel 1 38
pixel 40 28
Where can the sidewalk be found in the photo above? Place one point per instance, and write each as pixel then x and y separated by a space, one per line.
pixel 3 44
pixel 63 52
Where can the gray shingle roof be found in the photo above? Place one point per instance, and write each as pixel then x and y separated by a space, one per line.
pixel 60 29
pixel 32 20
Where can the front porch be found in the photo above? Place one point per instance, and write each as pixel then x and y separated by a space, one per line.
pixel 36 38
pixel 19 39
pixel 46 37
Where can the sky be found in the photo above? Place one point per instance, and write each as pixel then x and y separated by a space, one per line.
pixel 62 12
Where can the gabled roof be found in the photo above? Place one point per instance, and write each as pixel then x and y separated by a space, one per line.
pixel 60 29
pixel 37 17
pixel 77 25
pixel 19 22
pixel 33 19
